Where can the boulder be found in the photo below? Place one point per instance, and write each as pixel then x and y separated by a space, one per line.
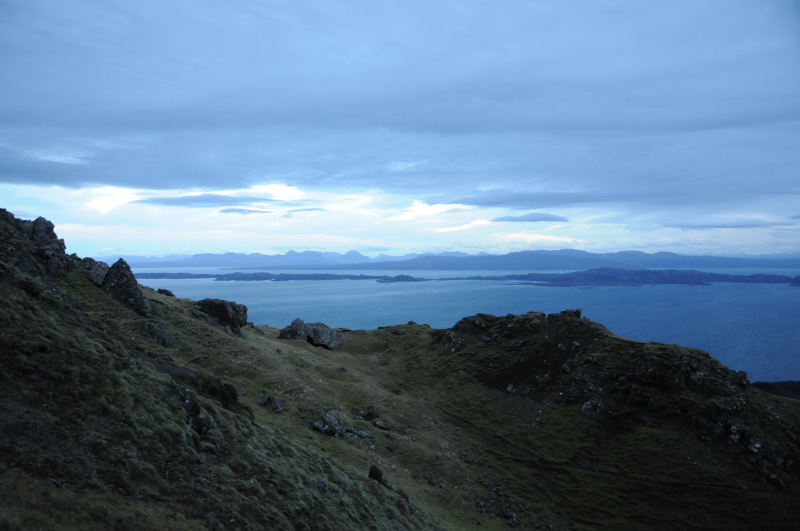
pixel 98 272
pixel 228 313
pixel 159 332
pixel 165 292
pixel 293 331
pixel 321 335
pixel 318 334
pixel 122 285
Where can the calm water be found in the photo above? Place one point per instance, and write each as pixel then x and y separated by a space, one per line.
pixel 754 328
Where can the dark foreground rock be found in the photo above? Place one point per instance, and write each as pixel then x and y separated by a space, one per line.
pixel 318 334
pixel 228 313
pixel 32 246
pixel 165 292
pixel 122 285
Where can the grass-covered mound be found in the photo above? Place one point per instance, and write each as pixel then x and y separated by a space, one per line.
pixel 111 419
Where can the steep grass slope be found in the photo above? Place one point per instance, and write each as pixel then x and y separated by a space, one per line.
pixel 114 420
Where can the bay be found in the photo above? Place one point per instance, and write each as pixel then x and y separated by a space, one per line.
pixel 750 327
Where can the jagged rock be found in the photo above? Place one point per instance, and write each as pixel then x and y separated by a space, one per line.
pixel 293 331
pixel 98 273
pixel 122 285
pixel 165 292
pixel 159 332
pixel 228 313
pixel 318 334
pixel 32 246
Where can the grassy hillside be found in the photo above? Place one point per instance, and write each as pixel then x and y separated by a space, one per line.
pixel 532 421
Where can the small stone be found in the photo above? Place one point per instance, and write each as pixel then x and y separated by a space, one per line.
pixel 272 403
pixel 381 425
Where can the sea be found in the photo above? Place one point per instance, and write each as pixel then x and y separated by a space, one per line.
pixel 749 327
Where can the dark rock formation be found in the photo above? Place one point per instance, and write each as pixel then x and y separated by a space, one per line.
pixel 122 285
pixel 372 413
pixel 32 246
pixel 318 334
pixel 376 474
pixel 228 313
pixel 159 332
pixel 293 331
pixel 165 292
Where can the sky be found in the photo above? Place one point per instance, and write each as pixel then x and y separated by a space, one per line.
pixel 158 128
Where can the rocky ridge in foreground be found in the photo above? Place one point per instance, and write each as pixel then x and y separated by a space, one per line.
pixel 188 417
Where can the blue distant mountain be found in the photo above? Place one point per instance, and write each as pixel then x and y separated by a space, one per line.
pixel 565 259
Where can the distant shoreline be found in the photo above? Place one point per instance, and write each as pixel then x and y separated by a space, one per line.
pixel 592 277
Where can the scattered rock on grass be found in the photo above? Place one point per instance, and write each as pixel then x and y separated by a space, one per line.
pixel 159 332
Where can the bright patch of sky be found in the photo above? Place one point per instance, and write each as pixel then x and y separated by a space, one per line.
pixel 182 127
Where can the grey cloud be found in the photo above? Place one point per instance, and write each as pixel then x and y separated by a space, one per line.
pixel 307 210
pixel 205 200
pixel 243 211
pixel 638 106
pixel 738 223
pixel 533 216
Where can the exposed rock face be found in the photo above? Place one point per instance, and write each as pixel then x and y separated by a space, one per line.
pixel 32 246
pixel 98 273
pixel 318 334
pixel 159 331
pixel 122 285
pixel 228 313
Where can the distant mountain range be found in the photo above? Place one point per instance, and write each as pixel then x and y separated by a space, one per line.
pixel 563 259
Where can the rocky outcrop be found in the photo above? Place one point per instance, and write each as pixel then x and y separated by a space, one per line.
pixel 165 292
pixel 33 246
pixel 122 285
pixel 228 313
pixel 318 334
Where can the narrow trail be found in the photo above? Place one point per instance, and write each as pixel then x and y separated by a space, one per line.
pixel 544 463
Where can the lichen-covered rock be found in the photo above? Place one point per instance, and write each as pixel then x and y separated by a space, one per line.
pixel 98 273
pixel 122 285
pixel 228 313
pixel 159 332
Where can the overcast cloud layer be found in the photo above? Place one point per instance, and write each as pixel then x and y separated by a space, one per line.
pixel 155 127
